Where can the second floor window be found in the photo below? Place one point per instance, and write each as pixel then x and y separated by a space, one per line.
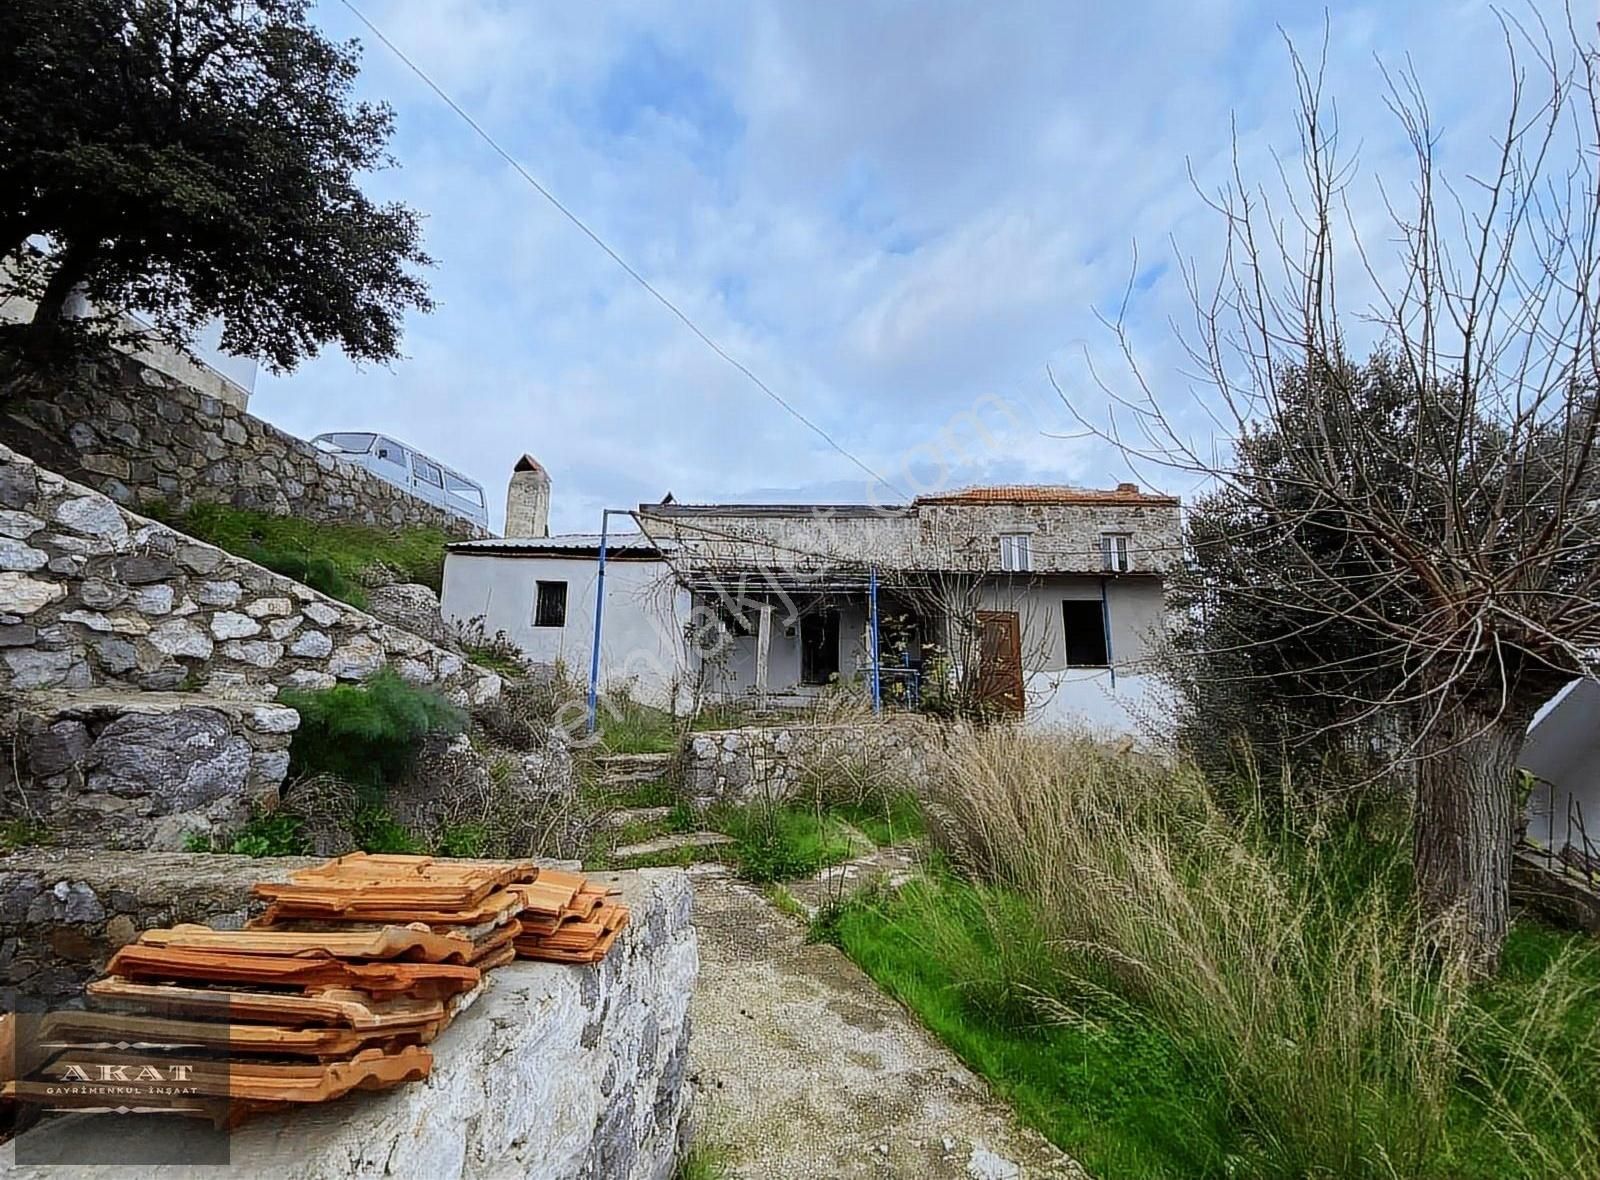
pixel 1016 553
pixel 1116 552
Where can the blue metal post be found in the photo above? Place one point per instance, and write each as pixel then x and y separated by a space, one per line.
pixel 872 624
pixel 599 611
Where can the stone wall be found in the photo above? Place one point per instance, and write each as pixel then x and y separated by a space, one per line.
pixel 141 770
pixel 141 437
pixel 780 761
pixel 92 595
pixel 63 914
pixel 555 1073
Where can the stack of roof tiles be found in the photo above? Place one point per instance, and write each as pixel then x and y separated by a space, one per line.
pixel 353 969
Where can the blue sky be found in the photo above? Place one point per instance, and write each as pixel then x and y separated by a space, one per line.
pixel 898 214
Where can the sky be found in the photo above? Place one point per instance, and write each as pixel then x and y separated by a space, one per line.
pixel 902 217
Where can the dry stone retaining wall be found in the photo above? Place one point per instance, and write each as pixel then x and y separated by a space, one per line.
pixel 94 595
pixel 778 761
pixel 140 436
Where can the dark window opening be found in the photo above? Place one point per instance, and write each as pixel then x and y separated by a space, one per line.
pixel 550 605
pixel 1085 621
pixel 819 646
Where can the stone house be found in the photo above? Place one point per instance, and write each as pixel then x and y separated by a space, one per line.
pixel 1041 600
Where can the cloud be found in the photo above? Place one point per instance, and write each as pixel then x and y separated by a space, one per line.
pixel 895 213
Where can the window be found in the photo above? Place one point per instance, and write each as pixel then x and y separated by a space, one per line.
pixel 392 451
pixel 427 472
pixel 1115 552
pixel 1085 620
pixel 347 443
pixel 463 490
pixel 550 605
pixel 1016 552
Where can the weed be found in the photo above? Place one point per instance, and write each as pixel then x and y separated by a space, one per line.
pixel 274 833
pixel 463 840
pixel 21 833
pixel 702 1161
pixel 776 842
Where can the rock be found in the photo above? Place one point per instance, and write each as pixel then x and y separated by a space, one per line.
pixel 137 569
pixel 269 608
pixel 179 761
pixel 199 559
pixel 155 599
pixel 116 655
pixel 120 931
pixel 20 525
pixel 20 594
pixel 322 614
pixel 181 638
pixel 19 485
pixel 14 555
pixel 98 594
pixel 18 635
pixel 32 668
pixel 283 628
pixel 411 607
pixel 57 748
pixel 312 645
pixel 219 593
pixel 414 672
pixel 261 653
pixel 307 680
pixel 356 659
pixel 227 624
pixel 93 516
pixel 274 719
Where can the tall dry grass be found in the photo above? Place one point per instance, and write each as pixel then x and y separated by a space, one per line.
pixel 1283 952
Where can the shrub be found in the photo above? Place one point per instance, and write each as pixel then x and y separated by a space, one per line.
pixel 1281 950
pixel 778 843
pixel 366 733
pixel 528 708
pixel 276 833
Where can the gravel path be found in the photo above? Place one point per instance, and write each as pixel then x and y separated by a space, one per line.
pixel 803 1069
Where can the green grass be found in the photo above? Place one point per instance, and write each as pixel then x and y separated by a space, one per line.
pixel 1120 1098
pixel 628 727
pixel 330 558
pixel 21 833
pixel 1123 1096
pixel 774 843
pixel 702 1161
pixel 896 820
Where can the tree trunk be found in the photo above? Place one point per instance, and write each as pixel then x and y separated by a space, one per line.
pixel 1466 797
pixel 71 268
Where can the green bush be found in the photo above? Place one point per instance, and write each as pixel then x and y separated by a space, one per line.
pixel 463 840
pixel 366 733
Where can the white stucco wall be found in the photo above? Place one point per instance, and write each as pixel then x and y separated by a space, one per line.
pixel 642 632
pixel 1563 750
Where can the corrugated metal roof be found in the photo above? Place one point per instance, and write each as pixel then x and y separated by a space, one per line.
pixel 567 545
pixel 831 511
pixel 1050 494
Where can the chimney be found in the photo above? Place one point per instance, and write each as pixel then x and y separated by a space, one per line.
pixel 1128 487
pixel 528 500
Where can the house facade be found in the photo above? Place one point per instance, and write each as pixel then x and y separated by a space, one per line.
pixel 1035 600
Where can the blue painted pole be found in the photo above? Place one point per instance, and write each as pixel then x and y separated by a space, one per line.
pixel 872 624
pixel 599 612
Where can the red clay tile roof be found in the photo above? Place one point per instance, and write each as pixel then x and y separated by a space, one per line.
pixel 1127 493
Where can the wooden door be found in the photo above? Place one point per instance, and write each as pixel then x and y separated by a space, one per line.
pixel 1000 660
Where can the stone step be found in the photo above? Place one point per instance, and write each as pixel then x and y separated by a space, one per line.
pixel 617 770
pixel 108 769
pixel 628 816
pixel 674 842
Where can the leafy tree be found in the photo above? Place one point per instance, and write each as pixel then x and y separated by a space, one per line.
pixel 194 159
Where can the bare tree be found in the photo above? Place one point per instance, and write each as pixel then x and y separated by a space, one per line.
pixel 1450 530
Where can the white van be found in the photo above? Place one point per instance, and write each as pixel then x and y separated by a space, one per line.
pixel 408 468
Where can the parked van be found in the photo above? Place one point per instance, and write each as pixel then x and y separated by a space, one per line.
pixel 408 468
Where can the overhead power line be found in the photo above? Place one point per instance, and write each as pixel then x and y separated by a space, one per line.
pixel 614 256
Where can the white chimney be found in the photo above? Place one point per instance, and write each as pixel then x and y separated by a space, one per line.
pixel 528 500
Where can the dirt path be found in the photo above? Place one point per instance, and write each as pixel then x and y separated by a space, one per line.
pixel 803 1069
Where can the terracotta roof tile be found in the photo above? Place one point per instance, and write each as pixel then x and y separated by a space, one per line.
pixel 1127 493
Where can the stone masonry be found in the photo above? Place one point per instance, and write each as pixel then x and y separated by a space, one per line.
pixel 141 437
pixel 776 762
pixel 92 595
